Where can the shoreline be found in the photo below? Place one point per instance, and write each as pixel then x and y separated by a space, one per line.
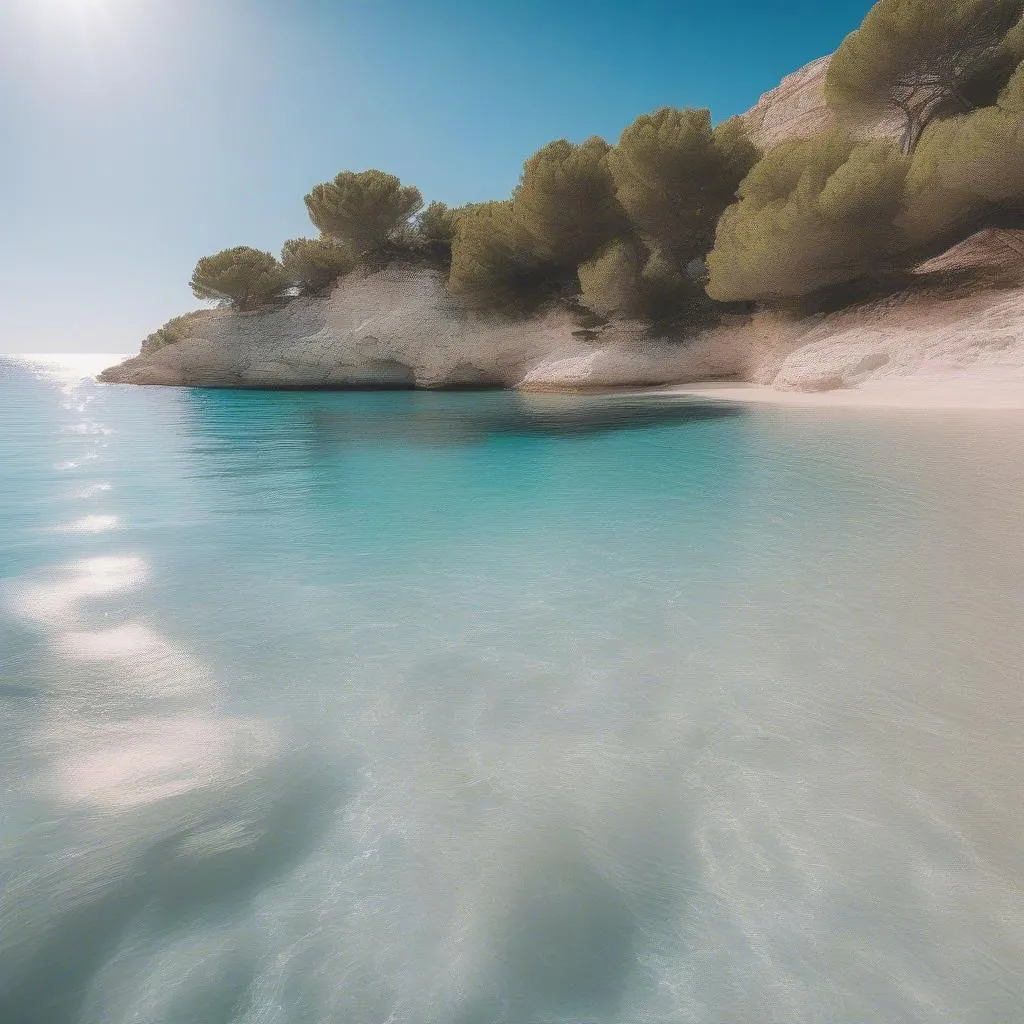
pixel 946 393
pixel 893 393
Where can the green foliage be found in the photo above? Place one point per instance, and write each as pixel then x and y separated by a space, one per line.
pixel 982 85
pixel 917 57
pixel 968 166
pixel 812 214
pixel 176 329
pixel 570 217
pixel 313 264
pixel 1010 53
pixel 1011 99
pixel 610 281
pixel 675 174
pixel 365 210
pixel 494 265
pixel 436 227
pixel 671 295
pixel 243 277
pixel 625 280
pixel 565 202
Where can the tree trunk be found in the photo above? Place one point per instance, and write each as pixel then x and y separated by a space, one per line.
pixel 911 134
pixel 923 120
pixel 922 115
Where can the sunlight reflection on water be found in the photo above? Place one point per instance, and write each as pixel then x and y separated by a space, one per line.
pixel 61 592
pixel 93 524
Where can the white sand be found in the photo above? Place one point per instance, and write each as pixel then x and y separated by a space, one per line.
pixel 892 393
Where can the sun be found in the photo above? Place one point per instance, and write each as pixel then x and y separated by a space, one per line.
pixel 79 12
pixel 85 8
pixel 85 22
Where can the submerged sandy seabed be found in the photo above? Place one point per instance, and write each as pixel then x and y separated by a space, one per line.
pixel 893 393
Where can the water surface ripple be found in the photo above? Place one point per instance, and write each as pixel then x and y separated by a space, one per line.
pixel 477 708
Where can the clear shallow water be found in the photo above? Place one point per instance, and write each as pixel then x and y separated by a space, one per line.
pixel 465 708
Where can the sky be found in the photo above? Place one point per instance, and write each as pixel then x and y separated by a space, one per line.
pixel 139 135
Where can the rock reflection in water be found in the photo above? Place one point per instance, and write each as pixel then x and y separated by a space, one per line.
pixel 519 415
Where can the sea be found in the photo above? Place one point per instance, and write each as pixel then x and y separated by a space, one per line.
pixel 487 708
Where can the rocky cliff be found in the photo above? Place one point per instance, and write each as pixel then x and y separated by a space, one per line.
pixel 960 317
pixel 400 328
pixel 796 108
pixel 962 314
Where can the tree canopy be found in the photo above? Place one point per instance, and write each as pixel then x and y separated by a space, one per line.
pixel 364 209
pixel 813 213
pixel 968 167
pixel 565 202
pixel 494 265
pixel 436 226
pixel 917 57
pixel 675 174
pixel 313 264
pixel 242 276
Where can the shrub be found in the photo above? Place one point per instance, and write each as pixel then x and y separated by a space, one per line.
pixel 243 277
pixel 176 329
pixel 364 210
pixel 313 264
pixel 626 280
pixel 671 295
pixel 610 282
pixel 812 214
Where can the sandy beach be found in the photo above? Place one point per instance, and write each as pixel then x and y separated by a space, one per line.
pixel 891 393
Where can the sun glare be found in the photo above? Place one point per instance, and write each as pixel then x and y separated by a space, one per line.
pixel 84 8
pixel 89 20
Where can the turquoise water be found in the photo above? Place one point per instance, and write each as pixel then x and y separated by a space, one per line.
pixel 469 708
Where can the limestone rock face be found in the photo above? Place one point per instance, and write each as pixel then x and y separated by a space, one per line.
pixel 400 328
pixel 796 108
pixel 969 337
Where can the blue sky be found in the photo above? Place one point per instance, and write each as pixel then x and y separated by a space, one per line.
pixel 139 135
